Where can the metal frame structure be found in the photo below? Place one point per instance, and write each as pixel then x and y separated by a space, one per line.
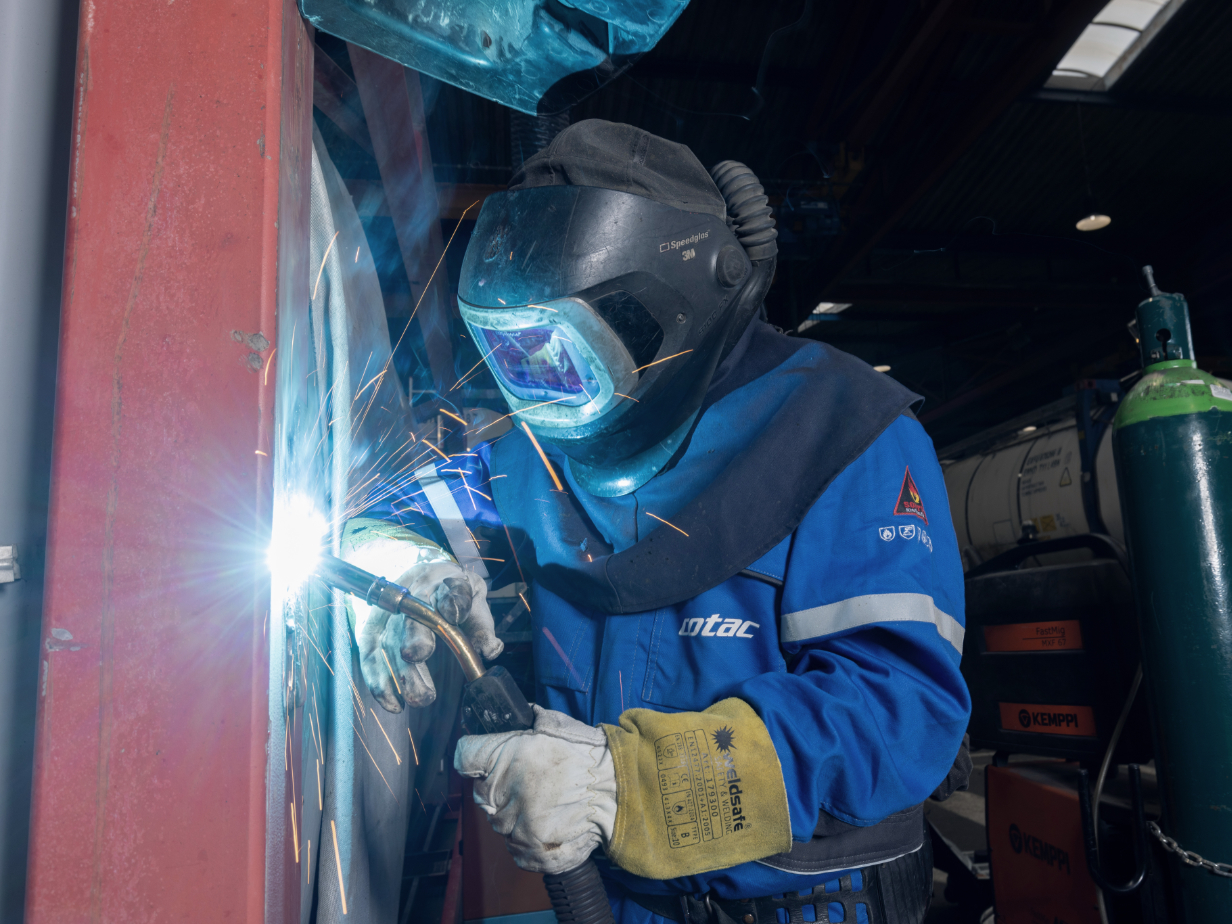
pixel 187 229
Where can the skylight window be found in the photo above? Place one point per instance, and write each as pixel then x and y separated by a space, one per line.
pixel 1110 43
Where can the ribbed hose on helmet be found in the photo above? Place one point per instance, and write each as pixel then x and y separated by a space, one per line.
pixel 578 897
pixel 748 208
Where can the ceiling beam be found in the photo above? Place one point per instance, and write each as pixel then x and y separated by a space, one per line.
pixel 335 94
pixel 393 106
pixel 904 67
pixel 1221 108
pixel 860 295
pixel 883 201
pixel 1059 351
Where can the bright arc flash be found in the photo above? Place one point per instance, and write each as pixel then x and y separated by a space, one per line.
pixel 295 547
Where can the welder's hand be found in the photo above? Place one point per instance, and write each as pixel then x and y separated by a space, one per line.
pixel 551 791
pixel 393 649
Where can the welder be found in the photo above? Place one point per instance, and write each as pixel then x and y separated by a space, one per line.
pixel 746 593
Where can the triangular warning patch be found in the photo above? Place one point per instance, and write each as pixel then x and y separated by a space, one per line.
pixel 909 503
pixel 1065 479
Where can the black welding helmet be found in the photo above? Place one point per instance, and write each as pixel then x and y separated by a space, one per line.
pixel 604 288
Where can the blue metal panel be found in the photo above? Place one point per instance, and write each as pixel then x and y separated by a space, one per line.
pixel 536 56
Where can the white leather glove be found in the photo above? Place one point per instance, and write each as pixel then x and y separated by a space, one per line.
pixel 550 791
pixel 392 648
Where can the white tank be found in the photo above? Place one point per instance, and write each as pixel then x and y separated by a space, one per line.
pixel 1036 479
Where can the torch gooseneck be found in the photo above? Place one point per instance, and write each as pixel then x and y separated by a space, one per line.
pixel 393 598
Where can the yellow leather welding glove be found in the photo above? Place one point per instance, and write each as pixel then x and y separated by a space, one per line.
pixel 695 791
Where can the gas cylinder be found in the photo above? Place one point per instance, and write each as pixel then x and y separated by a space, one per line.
pixel 1172 443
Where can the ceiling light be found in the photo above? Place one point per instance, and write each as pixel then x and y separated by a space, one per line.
pixel 1093 222
pixel 1030 429
pixel 881 368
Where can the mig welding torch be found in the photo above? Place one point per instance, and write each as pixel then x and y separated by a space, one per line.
pixel 491 703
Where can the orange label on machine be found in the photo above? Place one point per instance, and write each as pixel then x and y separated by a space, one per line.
pixel 1049 719
pixel 1058 635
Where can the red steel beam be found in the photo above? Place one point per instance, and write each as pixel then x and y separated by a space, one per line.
pixel 189 165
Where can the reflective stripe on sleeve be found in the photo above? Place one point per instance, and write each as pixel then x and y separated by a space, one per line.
pixel 869 610
pixel 440 498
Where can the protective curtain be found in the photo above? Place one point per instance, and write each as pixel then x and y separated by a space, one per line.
pixel 342 425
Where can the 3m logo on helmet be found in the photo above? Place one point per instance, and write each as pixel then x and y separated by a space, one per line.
pixel 718 627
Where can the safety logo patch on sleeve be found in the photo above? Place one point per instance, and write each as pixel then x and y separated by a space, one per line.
pixel 909 503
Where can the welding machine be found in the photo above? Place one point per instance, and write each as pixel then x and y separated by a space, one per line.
pixel 1051 658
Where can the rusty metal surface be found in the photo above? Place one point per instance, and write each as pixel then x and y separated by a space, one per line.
pixel 150 774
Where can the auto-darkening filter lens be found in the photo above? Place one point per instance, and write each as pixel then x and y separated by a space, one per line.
pixel 541 364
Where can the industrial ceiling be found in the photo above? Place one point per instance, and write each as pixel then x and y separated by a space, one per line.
pixel 923 173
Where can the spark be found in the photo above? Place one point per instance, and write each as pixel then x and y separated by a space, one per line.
pixel 663 360
pixel 260 453
pixel 515 557
pixel 542 455
pixel 397 757
pixel 294 831
pixel 269 360
pixel 338 860
pixel 308 861
pixel 621 677
pixel 414 750
pixel 374 763
pixel 523 411
pixel 560 651
pixel 320 793
pixel 501 300
pixel 474 367
pixel 630 397
pixel 357 254
pixel 434 449
pixel 320 749
pixel 524 603
pixel 323 259
pixel 481 558
pixel 545 308
pixel 323 661
pixel 397 686
pixel 672 525
pixel 440 261
pixel 461 420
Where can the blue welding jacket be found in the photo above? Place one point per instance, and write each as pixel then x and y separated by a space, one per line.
pixel 852 663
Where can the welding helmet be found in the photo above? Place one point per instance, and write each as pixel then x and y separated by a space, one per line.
pixel 605 286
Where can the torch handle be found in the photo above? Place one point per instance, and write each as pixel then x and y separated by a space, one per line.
pixel 491 702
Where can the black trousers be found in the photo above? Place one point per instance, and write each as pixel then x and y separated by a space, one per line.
pixel 897 892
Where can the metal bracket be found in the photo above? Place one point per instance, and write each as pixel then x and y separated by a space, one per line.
pixel 10 568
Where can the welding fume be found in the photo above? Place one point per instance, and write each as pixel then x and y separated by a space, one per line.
pixel 746 592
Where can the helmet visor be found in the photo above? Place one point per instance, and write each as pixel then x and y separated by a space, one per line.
pixel 558 363
pixel 540 364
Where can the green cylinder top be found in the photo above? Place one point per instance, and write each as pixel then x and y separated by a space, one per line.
pixel 1172 384
pixel 1163 326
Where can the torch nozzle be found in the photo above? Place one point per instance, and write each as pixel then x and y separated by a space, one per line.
pixel 393 598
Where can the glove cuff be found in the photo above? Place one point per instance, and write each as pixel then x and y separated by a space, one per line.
pixel 696 791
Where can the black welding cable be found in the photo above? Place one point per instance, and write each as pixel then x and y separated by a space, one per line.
pixel 1103 771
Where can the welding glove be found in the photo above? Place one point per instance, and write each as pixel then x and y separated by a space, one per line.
pixel 666 794
pixel 550 790
pixel 394 649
